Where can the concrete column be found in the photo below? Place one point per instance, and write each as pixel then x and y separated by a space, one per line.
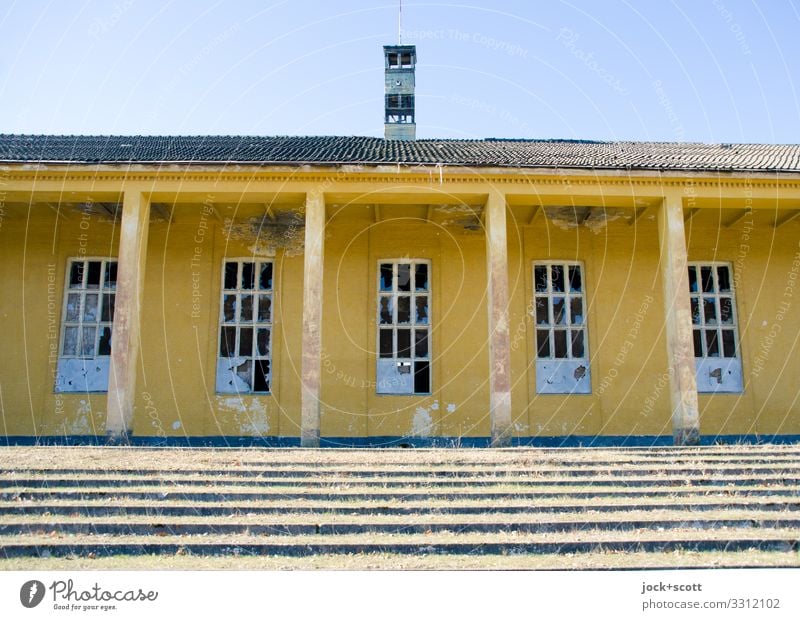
pixel 497 303
pixel 678 322
pixel 312 319
pixel 126 330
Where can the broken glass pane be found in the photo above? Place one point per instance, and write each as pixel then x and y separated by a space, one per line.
pixel 559 311
pixel 560 344
pixel 104 345
pixel 264 308
pixel 557 274
pixel 386 346
pixel 542 317
pixel 404 277
pixel 577 342
pixel 726 310
pixel 707 279
pixel 712 344
pixel 110 281
pixel 227 342
pixel 245 341
pixel 404 310
pixel 698 342
pixel 695 310
pixel 385 311
pixel 76 275
pixel 728 343
pixel 540 278
pixel 87 341
pixel 229 308
pixel 90 308
pixel 542 343
pixel 576 311
pixel 723 279
pixel 403 343
pixel 422 310
pixel 709 311
pixel 231 272
pixel 108 307
pixel 575 281
pixel 265 277
pixel 261 383
pixel 245 372
pixel 73 307
pixel 262 342
pixel 421 277
pixel 692 280
pixel 93 275
pixel 421 343
pixel 70 341
pixel 386 277
pixel 422 377
pixel 246 308
pixel 248 276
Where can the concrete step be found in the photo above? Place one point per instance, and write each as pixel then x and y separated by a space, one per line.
pixel 105 508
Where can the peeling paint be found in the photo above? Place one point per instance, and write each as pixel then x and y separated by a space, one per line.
pixel 563 377
pixel 264 235
pixel 176 425
pixel 451 407
pixel 422 424
pixel 435 405
pixel 719 375
pixel 82 375
pixel 593 218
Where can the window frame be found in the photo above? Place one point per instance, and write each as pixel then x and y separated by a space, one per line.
pixel 78 372
pixel 567 326
pixel 717 295
pixel 237 324
pixel 412 326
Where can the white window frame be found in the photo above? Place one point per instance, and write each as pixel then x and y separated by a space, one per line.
pixel 85 370
pixel 397 374
pixel 715 373
pixel 569 374
pixel 229 376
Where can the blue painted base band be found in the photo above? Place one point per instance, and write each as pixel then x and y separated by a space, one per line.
pixel 570 441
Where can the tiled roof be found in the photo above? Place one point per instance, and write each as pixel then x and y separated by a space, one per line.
pixel 374 151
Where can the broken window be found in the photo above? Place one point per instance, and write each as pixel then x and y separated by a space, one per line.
pixel 718 365
pixel 89 308
pixel 713 310
pixel 559 311
pixel 245 335
pixel 404 323
pixel 560 338
pixel 86 326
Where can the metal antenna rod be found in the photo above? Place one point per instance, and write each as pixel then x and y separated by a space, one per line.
pixel 400 25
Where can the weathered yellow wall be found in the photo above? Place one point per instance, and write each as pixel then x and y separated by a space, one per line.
pixel 176 396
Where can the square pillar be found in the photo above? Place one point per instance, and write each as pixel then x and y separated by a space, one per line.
pixel 678 322
pixel 126 330
pixel 312 320
pixel 497 304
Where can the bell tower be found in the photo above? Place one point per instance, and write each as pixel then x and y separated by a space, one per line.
pixel 400 61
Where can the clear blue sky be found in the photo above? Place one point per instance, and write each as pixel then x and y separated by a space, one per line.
pixel 693 70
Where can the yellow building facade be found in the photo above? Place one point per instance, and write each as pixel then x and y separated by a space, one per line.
pixel 356 291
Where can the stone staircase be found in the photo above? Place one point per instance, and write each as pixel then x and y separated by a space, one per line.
pixel 485 504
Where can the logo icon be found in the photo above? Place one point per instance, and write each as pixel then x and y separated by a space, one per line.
pixel 31 593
